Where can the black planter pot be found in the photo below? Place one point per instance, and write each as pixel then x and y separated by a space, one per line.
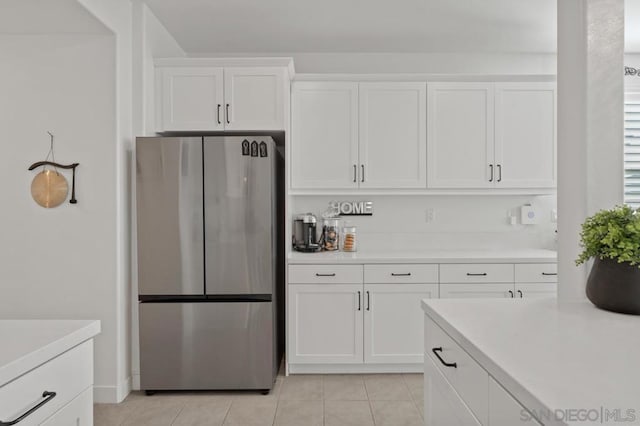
pixel 614 286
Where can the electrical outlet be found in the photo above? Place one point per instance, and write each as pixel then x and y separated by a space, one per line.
pixel 430 215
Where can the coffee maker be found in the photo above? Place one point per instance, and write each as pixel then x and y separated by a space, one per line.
pixel 305 234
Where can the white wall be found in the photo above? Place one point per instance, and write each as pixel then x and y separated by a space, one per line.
pixel 460 222
pixel 62 262
pixel 448 63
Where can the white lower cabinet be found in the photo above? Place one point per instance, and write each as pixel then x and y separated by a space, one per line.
pixel 325 323
pixel 476 291
pixel 78 412
pixel 393 326
pixel 536 290
pixel 504 410
pixel 458 391
pixel 442 404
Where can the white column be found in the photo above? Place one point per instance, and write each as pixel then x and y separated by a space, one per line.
pixel 590 125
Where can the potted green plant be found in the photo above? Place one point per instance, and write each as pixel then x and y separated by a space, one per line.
pixel 612 239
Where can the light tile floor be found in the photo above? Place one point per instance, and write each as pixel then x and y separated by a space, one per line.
pixel 300 400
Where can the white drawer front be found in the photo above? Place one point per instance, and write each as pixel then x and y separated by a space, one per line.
pixel 476 273
pixel 468 378
pixel 67 375
pixel 332 274
pixel 537 273
pixel 442 404
pixel 78 412
pixel 504 410
pixel 400 273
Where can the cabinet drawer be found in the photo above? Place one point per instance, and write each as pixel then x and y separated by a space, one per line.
pixel 476 273
pixel 537 273
pixel 67 375
pixel 333 274
pixel 468 378
pixel 401 273
pixel 78 412
pixel 504 410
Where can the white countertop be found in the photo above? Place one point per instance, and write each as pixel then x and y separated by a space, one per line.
pixel 549 355
pixel 427 256
pixel 26 344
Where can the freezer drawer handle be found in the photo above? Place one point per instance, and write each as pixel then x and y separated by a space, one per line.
pixel 446 364
pixel 326 275
pixel 484 274
pixel 408 274
pixel 549 273
pixel 48 396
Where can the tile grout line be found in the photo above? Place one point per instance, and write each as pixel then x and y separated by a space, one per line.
pixel 364 383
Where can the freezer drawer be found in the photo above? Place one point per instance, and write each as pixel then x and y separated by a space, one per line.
pixel 207 345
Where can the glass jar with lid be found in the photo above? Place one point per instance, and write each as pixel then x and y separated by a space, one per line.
pixel 349 239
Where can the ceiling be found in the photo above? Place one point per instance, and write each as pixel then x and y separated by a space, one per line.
pixel 47 17
pixel 411 26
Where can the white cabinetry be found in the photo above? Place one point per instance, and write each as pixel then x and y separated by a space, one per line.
pixel 525 135
pixel 491 135
pixel 460 146
pixel 393 135
pixel 393 331
pixel 476 291
pixel 200 98
pixel 536 280
pixel 459 391
pixel 325 323
pixel 324 125
pixel 358 135
pixel 192 98
pixel 54 387
pixel 504 410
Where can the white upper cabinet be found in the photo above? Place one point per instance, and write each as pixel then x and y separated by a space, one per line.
pixel 460 147
pixel 393 139
pixel 192 98
pixel 324 150
pixel 254 98
pixel 204 98
pixel 525 135
pixel 491 135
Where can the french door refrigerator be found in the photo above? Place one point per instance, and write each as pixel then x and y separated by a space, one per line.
pixel 206 226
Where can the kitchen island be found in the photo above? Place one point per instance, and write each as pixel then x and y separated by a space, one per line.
pixel 529 361
pixel 46 371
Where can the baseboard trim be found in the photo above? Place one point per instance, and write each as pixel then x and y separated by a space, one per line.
pixel 112 394
pixel 354 368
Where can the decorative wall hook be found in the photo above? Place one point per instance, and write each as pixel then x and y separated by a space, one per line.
pixel 49 188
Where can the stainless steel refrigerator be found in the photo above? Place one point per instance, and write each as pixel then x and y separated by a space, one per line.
pixel 207 231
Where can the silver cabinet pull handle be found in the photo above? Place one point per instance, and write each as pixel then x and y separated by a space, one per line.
pixel 48 396
pixel 491 171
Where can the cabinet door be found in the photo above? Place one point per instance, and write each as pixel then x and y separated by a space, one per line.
pixel 192 99
pixel 504 410
pixel 525 135
pixel 536 290
pixel 324 143
pixel 442 404
pixel 393 135
pixel 79 412
pixel 393 322
pixel 476 291
pixel 254 98
pixel 325 323
pixel 460 140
